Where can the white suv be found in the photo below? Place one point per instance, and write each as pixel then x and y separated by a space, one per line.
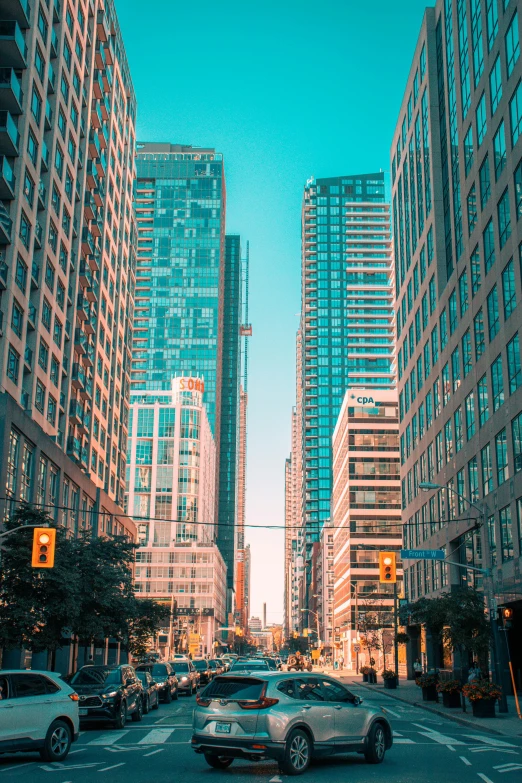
pixel 38 711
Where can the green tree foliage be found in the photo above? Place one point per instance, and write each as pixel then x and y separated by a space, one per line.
pixel 147 618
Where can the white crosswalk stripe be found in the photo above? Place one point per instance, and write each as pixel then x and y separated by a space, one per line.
pixel 108 739
pixel 490 741
pixel 404 741
pixel 156 737
pixel 442 739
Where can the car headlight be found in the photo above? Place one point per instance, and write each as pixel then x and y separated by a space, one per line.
pixel 110 695
pixel 160 684
pixel 184 679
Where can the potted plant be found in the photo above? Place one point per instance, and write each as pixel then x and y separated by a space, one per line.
pixel 364 671
pixel 428 683
pixel 450 690
pixel 482 695
pixel 390 680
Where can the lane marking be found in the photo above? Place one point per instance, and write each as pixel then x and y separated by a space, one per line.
pixel 17 766
pixel 277 779
pixel 442 739
pixel 493 750
pixel 490 741
pixel 407 742
pixel 156 737
pixel 484 777
pixel 159 750
pixel 387 709
pixel 508 767
pixel 110 738
pixel 121 764
pixel 450 747
pixel 396 734
pixel 466 762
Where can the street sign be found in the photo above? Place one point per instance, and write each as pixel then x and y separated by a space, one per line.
pixel 357 648
pixel 423 554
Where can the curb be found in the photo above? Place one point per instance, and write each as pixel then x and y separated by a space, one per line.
pixel 454 718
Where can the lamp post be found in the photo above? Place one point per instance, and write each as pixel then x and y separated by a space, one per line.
pixel 428 486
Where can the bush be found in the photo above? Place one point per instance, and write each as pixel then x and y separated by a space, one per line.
pixel 481 689
pixel 449 686
pixel 365 669
pixel 388 674
pixel 402 638
pixel 426 680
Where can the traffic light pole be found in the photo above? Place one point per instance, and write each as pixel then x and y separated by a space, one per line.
pixel 396 629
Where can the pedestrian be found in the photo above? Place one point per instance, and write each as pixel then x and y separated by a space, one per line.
pixel 341 661
pixel 475 672
pixel 417 668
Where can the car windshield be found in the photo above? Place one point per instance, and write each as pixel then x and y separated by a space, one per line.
pixel 92 675
pixel 142 676
pixel 181 666
pixel 255 665
pixel 240 688
pixel 200 664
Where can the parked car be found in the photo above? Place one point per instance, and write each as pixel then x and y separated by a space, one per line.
pixel 150 694
pixel 38 711
pixel 250 665
pixel 108 693
pixel 216 666
pixel 187 676
pixel 272 663
pixel 164 675
pixel 287 717
pixel 204 670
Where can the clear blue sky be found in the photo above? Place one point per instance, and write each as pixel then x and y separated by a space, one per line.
pixel 285 89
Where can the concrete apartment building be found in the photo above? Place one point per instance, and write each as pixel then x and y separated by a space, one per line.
pixel 456 164
pixel 171 495
pixel 366 513
pixel 67 236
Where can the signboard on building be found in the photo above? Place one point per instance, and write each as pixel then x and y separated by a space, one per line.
pixel 188 384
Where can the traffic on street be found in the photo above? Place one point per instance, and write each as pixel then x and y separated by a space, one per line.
pixel 425 747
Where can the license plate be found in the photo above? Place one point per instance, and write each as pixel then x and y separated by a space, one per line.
pixel 223 728
pixel 84 712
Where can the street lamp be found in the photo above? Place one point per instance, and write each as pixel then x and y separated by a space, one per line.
pixel 428 486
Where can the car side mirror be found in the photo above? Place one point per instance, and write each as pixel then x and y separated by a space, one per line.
pixel 357 700
pixel 129 682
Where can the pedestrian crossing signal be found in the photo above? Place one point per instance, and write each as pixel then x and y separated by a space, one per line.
pixel 44 542
pixel 387 567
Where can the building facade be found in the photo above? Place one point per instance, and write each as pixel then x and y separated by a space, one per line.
pixel 366 512
pixel 68 235
pixel 346 322
pixel 457 182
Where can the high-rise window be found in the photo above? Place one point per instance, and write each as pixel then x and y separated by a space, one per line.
pixel 492 540
pixel 491 21
pixel 481 117
pixel 506 533
pixel 457 419
pixel 508 289
pixel 499 149
pixel 13 364
pixel 470 415
pixel 516 435
pixel 517 181
pixel 515 113
pixel 455 369
pixel 468 150
pixel 493 313
pixel 487 470
pixel 497 383
pixel 480 340
pixel 475 271
pixel 483 400
pixel 504 219
pixel 466 353
pixel 502 459
pixel 463 292
pixel 473 479
pixel 484 182
pixel 512 45
pixel 488 237
pixel 495 84
pixel 513 357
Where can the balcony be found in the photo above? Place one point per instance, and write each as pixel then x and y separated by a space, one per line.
pixel 89 356
pixel 11 95
pixel 7 180
pixel 42 196
pixel 67 330
pixel 76 412
pixel 78 376
pixel 92 175
pixel 107 79
pixel 19 10
pixel 94 145
pixel 95 227
pixel 32 314
pixel 96 116
pixel 51 83
pixel 88 244
pixel 102 27
pixel 13 50
pixel 90 323
pixel 105 107
pixel 90 208
pixel 1 324
pixel 86 276
pixel 38 234
pixel 74 447
pixel 4 271
pixel 103 136
pixel 95 262
pixel 55 44
pixel 48 124
pixel 82 307
pixel 35 275
pixel 65 365
pixel 100 59
pixel 6 225
pixel 45 157
pixel 81 341
pixel 97 84
pixel 28 359
pixel 57 9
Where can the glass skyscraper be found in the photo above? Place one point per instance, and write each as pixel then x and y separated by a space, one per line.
pixel 346 319
pixel 180 211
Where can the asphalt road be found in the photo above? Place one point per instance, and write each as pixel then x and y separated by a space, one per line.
pixel 157 750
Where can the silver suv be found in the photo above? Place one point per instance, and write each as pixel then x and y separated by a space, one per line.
pixel 289 717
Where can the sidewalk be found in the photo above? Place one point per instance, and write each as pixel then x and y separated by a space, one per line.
pixel 507 725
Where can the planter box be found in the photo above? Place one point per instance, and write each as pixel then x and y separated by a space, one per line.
pixel 483 708
pixel 429 693
pixel 451 699
pixel 390 683
pixel 365 678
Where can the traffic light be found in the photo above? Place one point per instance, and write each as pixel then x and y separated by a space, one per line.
pixel 505 616
pixel 44 542
pixel 387 567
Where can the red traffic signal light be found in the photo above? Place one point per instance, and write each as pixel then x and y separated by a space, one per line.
pixel 44 542
pixel 387 567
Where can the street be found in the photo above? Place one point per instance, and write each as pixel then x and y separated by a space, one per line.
pixel 158 748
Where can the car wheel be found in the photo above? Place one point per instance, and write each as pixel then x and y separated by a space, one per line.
pixel 298 752
pixel 218 762
pixel 376 748
pixel 57 741
pixel 137 715
pixel 156 703
pixel 168 696
pixel 121 720
pixel 146 705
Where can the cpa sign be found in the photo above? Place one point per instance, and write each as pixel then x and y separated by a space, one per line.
pixel 365 400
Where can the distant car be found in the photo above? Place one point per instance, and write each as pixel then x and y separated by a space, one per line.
pixel 38 711
pixel 225 662
pixel 108 693
pixel 205 671
pixel 272 664
pixel 217 666
pixel 251 665
pixel 150 692
pixel 180 657
pixel 164 675
pixel 187 676
pixel 276 715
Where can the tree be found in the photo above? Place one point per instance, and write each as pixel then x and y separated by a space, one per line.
pixel 37 605
pixel 375 624
pixel 146 618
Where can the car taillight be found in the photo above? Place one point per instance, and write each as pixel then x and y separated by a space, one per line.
pixel 74 696
pixel 261 704
pixel 202 702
